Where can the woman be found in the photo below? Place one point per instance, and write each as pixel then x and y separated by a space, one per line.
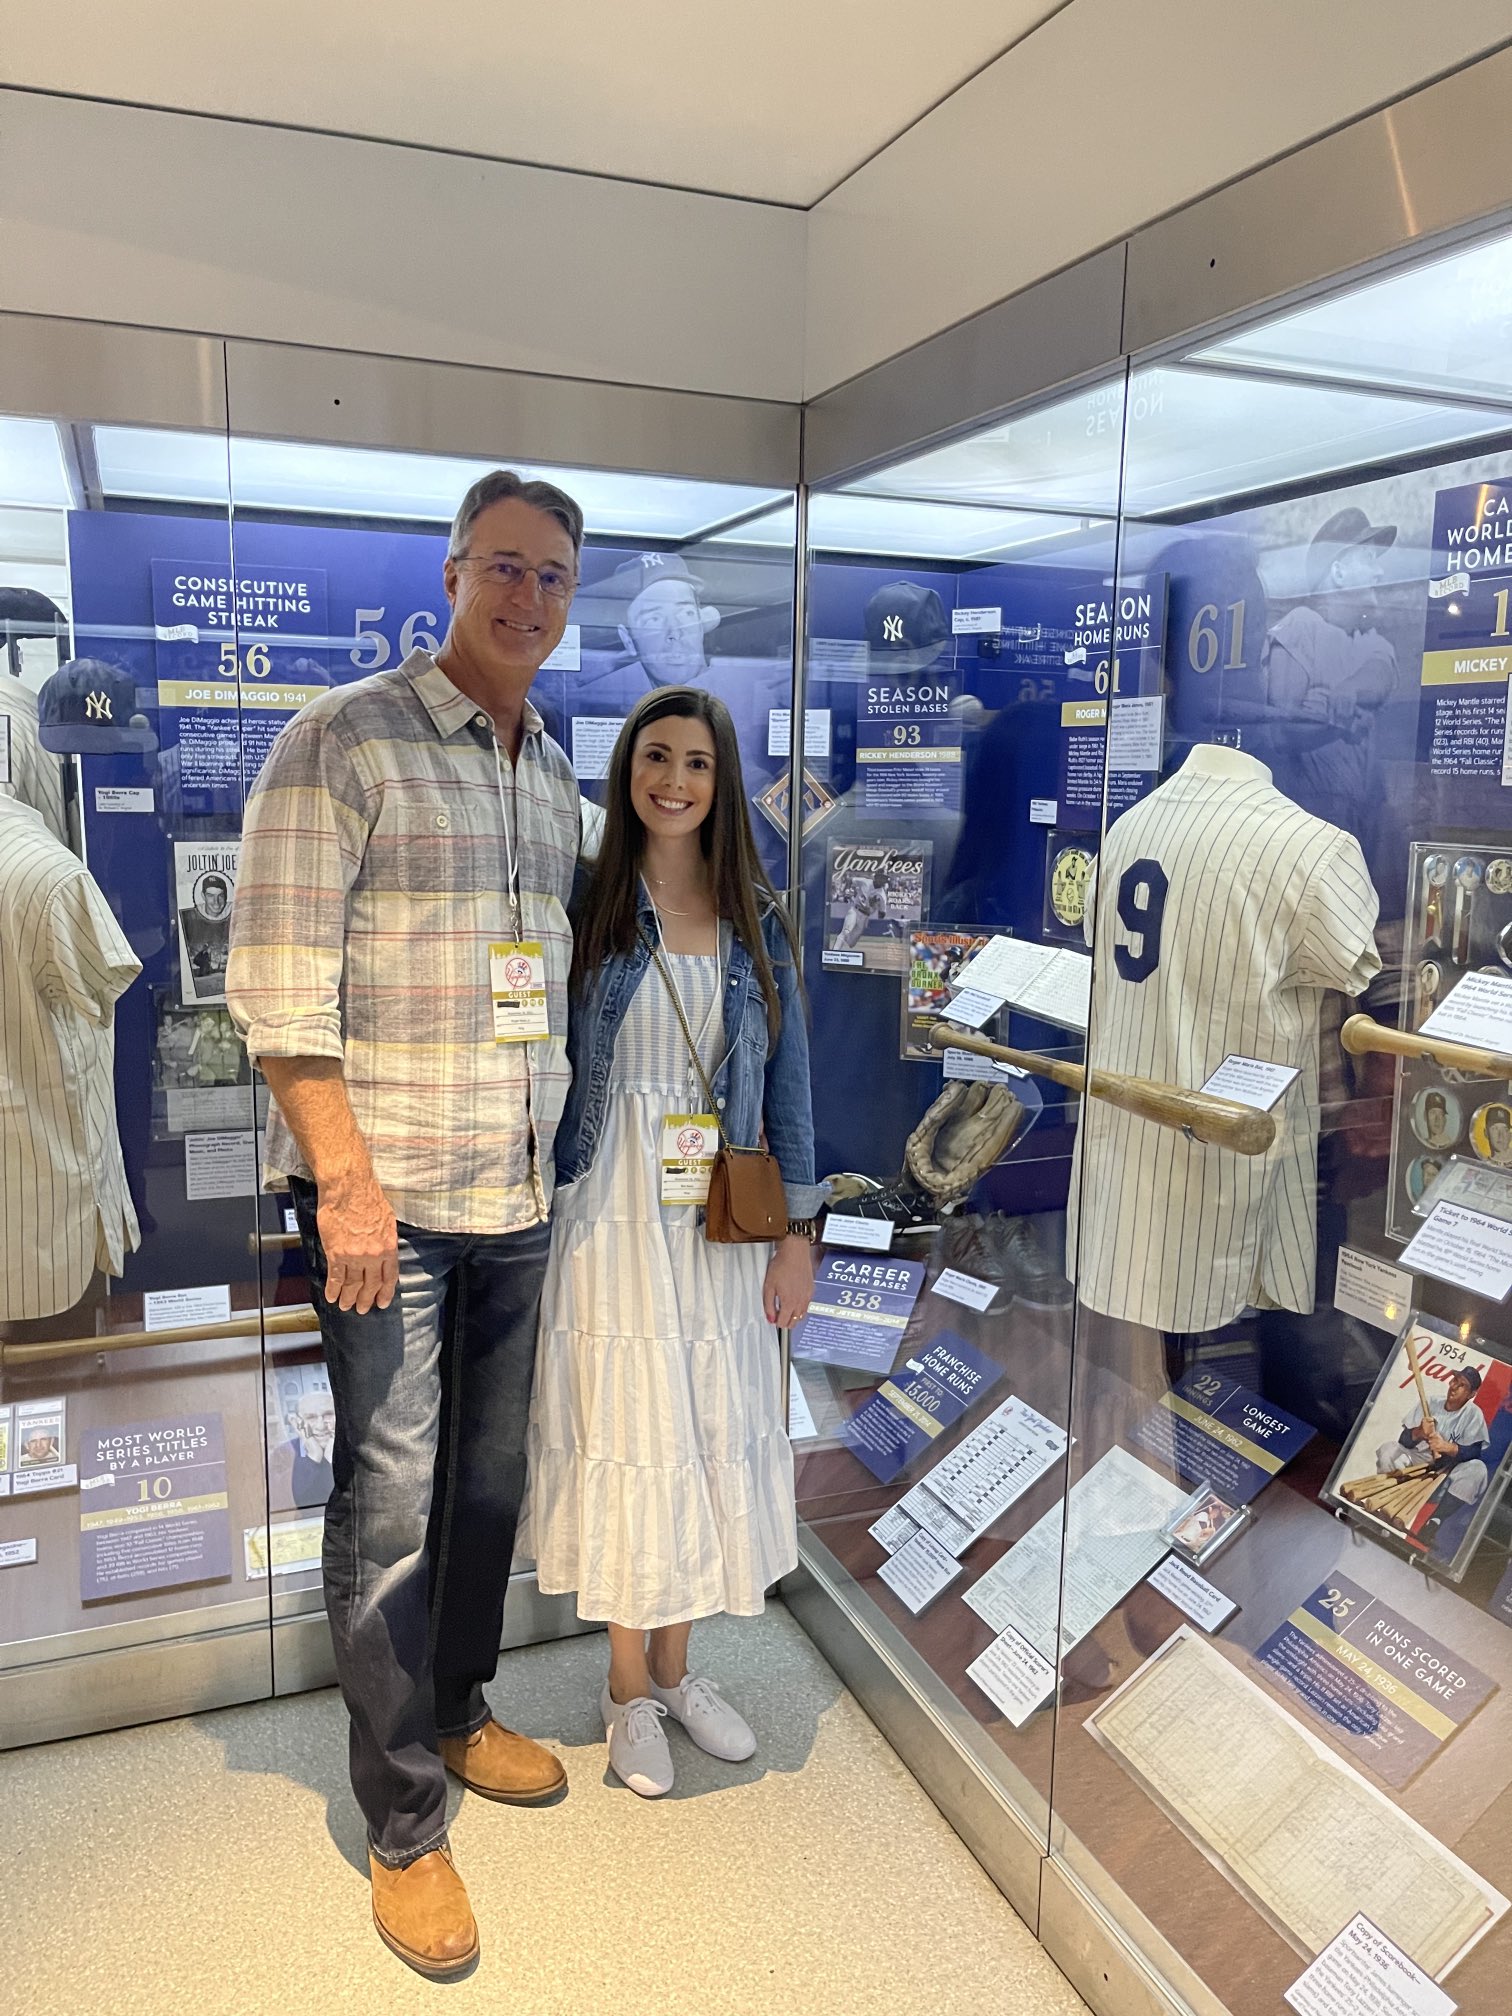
pixel 661 1478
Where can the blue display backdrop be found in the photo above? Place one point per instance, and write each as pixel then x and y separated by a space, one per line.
pixel 222 657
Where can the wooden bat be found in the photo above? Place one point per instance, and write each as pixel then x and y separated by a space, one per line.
pixel 1361 1036
pixel 1417 1377
pixel 1221 1123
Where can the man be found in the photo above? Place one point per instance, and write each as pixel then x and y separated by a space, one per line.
pixel 1328 672
pixel 40 1449
pixel 1499 1136
pixel 409 847
pixel 206 926
pixel 299 1469
pixel 1453 1439
pixel 1436 1129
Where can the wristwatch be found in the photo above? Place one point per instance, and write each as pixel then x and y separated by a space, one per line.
pixel 804 1228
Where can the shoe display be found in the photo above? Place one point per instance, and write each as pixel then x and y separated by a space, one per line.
pixel 1019 1262
pixel 638 1753
pixel 708 1718
pixel 421 1913
pixel 905 1206
pixel 499 1764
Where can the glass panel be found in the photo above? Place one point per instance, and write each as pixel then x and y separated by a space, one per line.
pixel 130 1472
pixel 341 552
pixel 1395 332
pixel 959 656
pixel 1300 1716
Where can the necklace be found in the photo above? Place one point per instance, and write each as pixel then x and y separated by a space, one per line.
pixel 660 881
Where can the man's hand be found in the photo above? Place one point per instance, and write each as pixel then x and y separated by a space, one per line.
pixel 789 1284
pixel 361 1242
pixel 352 1216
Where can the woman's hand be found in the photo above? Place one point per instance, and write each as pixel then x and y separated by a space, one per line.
pixel 789 1284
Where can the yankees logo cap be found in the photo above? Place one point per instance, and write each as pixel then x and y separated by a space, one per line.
pixel 906 626
pixel 89 708
pixel 630 581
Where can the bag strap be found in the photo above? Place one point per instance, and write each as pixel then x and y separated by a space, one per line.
pixel 703 1080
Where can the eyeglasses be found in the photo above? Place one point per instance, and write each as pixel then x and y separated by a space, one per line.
pixel 557 584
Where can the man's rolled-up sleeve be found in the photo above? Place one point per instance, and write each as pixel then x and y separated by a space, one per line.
pixel 304 834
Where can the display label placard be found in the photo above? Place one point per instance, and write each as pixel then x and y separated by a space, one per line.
pixel 1387 1691
pixel 1216 1432
pixel 1467 639
pixel 909 747
pixel 859 1311
pixel 153 1507
pixel 928 1395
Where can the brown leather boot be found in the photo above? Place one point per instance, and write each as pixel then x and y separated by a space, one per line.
pixel 501 1765
pixel 422 1914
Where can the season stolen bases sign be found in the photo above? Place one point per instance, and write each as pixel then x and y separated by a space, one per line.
pixel 153 1509
pixel 1467 636
pixel 908 747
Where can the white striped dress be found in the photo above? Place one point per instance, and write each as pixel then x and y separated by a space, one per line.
pixel 661 1480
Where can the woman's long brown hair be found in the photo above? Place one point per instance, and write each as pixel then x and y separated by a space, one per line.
pixel 737 880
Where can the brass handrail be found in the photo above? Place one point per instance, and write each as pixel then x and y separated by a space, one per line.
pixel 251 1323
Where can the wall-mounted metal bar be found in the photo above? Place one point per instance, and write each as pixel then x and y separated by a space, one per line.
pixel 279 1322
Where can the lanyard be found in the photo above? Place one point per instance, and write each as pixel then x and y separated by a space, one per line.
pixel 509 851
pixel 716 1006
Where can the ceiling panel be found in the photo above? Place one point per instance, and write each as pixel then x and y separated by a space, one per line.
pixel 774 99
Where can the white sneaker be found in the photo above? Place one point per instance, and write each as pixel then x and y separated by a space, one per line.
pixel 708 1718
pixel 638 1753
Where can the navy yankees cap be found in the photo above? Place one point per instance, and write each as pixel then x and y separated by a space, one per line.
pixel 89 708
pixel 906 626
pixel 631 580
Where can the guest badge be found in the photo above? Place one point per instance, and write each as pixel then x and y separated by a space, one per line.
pixel 517 980
pixel 689 1143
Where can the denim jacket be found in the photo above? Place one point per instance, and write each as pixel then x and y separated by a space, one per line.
pixel 749 1087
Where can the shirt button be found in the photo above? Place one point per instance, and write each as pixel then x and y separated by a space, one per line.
pixel 720 1104
pixel 480 720
pixel 443 824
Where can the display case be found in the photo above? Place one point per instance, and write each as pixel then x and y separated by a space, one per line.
pixel 172 596
pixel 1161 732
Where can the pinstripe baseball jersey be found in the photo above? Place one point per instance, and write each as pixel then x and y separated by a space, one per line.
pixel 1225 912
pixel 64 1206
pixel 29 772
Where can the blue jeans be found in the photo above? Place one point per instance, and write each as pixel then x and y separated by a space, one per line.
pixel 431 1398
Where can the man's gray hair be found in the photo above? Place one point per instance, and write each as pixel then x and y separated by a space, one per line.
pixel 499 486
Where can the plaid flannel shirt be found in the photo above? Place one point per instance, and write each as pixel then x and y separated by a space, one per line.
pixel 373 878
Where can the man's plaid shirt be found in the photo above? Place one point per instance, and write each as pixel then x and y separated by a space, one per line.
pixel 373 879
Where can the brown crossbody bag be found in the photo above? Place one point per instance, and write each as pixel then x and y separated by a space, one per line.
pixel 746 1201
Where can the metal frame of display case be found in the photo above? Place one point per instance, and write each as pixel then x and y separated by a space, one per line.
pixel 1374 194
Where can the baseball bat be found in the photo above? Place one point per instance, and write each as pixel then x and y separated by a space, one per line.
pixel 1417 1378
pixel 1221 1123
pixel 1361 1036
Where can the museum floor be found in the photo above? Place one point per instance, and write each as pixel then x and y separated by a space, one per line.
pixel 215 1862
